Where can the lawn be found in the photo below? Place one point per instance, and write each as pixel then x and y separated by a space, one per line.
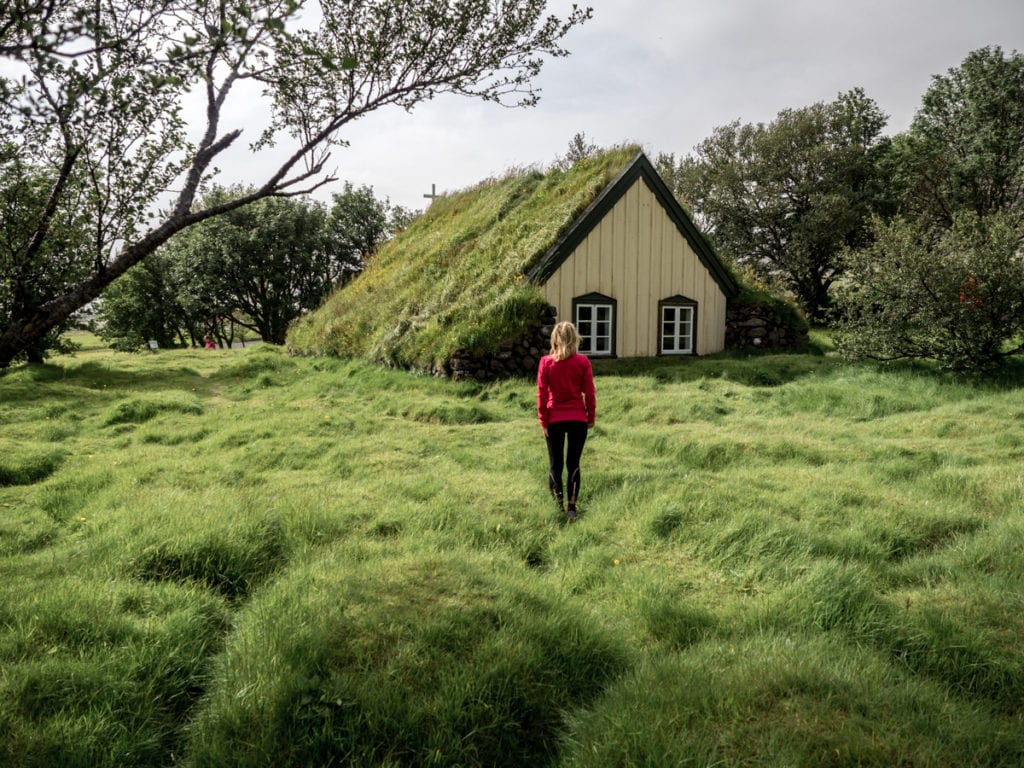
pixel 217 558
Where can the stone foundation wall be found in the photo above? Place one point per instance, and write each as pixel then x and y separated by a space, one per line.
pixel 747 325
pixel 755 325
pixel 515 357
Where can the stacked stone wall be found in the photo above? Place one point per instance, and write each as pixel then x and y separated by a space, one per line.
pixel 514 357
pixel 757 325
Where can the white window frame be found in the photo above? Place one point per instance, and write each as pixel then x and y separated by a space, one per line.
pixel 677 329
pixel 589 328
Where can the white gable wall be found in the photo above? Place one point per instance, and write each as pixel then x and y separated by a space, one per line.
pixel 637 256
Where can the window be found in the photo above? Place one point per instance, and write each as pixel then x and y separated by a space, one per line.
pixel 594 317
pixel 678 324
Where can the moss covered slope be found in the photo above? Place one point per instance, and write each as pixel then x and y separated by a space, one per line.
pixel 453 281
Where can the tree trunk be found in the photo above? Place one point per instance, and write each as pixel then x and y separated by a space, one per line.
pixel 15 341
pixel 31 327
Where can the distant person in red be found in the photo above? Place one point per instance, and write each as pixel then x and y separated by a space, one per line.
pixel 566 408
pixel 210 343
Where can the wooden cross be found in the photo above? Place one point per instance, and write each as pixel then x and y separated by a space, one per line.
pixel 432 194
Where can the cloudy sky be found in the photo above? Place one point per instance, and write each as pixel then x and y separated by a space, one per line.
pixel 665 73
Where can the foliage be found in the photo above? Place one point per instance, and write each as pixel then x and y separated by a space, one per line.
pixel 144 305
pixel 453 281
pixel 357 225
pixel 785 198
pixel 239 557
pixel 954 295
pixel 269 260
pixel 755 291
pixel 258 267
pixel 29 272
pixel 94 102
pixel 579 149
pixel 947 282
pixel 965 146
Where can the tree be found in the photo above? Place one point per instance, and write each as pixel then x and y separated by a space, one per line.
pixel 100 109
pixel 786 198
pixel 965 147
pixel 262 265
pixel 579 149
pixel 947 282
pixel 955 295
pixel 51 268
pixel 357 225
pixel 143 305
pixel 257 267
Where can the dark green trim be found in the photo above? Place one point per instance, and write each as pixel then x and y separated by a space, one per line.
pixel 640 167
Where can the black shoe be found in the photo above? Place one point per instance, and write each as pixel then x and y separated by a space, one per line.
pixel 571 514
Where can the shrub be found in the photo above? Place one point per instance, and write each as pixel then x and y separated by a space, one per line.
pixel 956 296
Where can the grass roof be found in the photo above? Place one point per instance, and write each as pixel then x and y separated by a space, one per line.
pixel 454 281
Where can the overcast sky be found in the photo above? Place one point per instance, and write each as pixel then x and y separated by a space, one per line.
pixel 665 73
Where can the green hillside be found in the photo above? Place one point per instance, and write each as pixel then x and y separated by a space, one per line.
pixel 453 281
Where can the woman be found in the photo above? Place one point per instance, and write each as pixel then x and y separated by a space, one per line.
pixel 566 409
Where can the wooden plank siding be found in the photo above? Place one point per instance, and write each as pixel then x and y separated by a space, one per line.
pixel 637 256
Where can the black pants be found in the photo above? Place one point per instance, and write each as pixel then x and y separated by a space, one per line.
pixel 576 432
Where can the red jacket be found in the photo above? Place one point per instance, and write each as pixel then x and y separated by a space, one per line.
pixel 565 390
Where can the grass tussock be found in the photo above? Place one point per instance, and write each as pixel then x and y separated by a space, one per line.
pixel 136 410
pixel 29 467
pixel 454 280
pixel 242 558
pixel 435 660
pixel 232 564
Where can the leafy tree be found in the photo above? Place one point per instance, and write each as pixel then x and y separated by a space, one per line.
pixel 358 223
pixel 262 265
pixel 29 274
pixel 674 173
pixel 785 199
pixel 965 147
pixel 579 149
pixel 96 107
pixel 947 281
pixel 955 295
pixel 256 268
pixel 143 305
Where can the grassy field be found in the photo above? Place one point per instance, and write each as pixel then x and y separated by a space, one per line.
pixel 217 558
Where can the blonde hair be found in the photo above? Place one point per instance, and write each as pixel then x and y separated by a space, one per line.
pixel 564 340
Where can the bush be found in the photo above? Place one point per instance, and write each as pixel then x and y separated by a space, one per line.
pixel 956 296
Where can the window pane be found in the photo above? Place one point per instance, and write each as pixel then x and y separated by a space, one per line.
pixel 594 324
pixel 677 329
